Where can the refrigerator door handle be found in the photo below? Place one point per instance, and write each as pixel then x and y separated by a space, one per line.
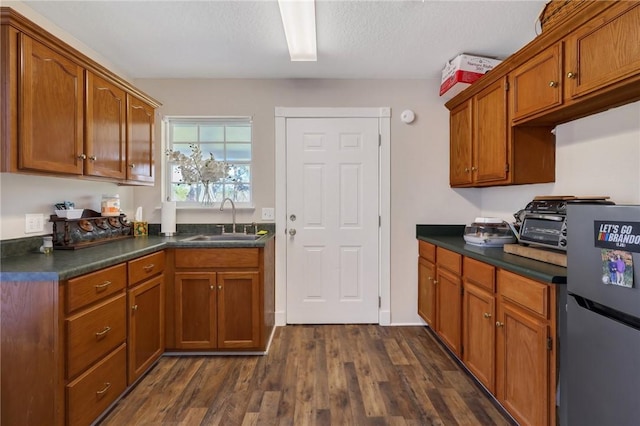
pixel 608 312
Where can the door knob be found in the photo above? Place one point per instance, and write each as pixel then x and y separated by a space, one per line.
pixel 292 232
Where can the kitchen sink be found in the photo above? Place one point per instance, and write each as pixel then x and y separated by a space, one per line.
pixel 223 237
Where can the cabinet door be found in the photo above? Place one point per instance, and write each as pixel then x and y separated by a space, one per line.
pixel 605 50
pixel 238 310
pixel 195 294
pixel 460 128
pixel 478 325
pixel 449 309
pixel 490 130
pixel 140 122
pixel 427 291
pixel 105 142
pixel 146 326
pixel 536 85
pixel 51 94
pixel 522 375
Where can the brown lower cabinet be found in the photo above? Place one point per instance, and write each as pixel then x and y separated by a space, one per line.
pixel 505 325
pixel 222 298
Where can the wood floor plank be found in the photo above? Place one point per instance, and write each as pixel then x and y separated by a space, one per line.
pixel 314 375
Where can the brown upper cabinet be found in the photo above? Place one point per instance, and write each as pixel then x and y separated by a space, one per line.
pixel 588 63
pixel 64 114
pixel 105 129
pixel 537 84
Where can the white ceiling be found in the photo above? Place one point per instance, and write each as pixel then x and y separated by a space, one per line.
pixel 245 39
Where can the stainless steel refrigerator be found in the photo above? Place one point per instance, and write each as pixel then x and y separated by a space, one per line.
pixel 600 370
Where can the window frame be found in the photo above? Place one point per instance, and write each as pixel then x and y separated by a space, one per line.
pixel 167 143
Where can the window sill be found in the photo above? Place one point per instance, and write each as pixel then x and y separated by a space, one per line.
pixel 214 206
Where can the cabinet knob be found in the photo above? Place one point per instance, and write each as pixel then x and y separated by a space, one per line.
pixel 571 75
pixel 466 170
pixel 134 307
pixel 553 84
pixel 93 158
pixel 211 287
pixel 430 278
pixel 219 287
pixel 132 165
pixel 82 156
pixel 435 281
pixel 474 168
pixel 486 315
pixel 499 324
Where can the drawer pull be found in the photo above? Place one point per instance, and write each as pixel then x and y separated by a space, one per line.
pixel 102 333
pixel 149 267
pixel 104 285
pixel 101 392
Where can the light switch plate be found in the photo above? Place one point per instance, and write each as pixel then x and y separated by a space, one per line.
pixel 268 213
pixel 33 223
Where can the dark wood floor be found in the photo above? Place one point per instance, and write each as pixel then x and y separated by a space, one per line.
pixel 314 375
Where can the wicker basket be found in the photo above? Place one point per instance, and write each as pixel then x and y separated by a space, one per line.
pixel 557 10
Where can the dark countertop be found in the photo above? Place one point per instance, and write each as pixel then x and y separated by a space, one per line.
pixel 450 237
pixel 65 264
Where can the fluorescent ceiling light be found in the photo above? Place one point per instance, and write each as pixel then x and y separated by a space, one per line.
pixel 299 20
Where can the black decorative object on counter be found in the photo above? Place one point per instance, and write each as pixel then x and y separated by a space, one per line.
pixel 89 230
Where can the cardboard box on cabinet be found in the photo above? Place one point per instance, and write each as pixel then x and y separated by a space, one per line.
pixel 462 71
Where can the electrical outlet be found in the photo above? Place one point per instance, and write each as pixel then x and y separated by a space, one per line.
pixel 268 213
pixel 33 223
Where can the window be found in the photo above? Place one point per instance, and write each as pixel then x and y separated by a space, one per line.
pixel 228 139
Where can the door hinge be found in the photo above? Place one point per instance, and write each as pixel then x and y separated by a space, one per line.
pixel 379 221
pixel 506 167
pixel 549 343
pixel 379 302
pixel 506 86
pixel 379 139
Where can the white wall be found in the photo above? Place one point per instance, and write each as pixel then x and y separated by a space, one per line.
pixel 595 155
pixel 419 154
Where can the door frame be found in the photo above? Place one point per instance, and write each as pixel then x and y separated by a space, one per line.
pixel 383 115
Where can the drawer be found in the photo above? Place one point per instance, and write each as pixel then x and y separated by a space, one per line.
pixel 92 393
pixel 217 258
pixel 145 267
pixel 87 289
pixel 480 273
pixel 427 250
pixel 449 260
pixel 522 291
pixel 95 332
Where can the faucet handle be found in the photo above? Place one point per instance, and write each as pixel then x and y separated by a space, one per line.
pixel 221 228
pixel 248 226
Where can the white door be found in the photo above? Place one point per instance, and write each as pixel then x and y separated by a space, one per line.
pixel 332 220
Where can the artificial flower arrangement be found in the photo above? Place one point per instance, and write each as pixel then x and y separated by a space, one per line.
pixel 196 169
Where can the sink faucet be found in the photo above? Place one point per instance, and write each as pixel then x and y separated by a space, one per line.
pixel 233 212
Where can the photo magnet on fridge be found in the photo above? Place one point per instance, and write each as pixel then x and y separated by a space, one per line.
pixel 617 267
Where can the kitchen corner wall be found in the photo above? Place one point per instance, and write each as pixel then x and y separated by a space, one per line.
pixel 595 155
pixel 420 190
